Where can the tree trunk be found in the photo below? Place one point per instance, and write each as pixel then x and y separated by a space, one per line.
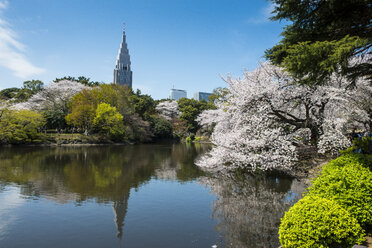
pixel 314 138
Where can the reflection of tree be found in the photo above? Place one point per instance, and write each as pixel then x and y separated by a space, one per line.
pixel 248 209
pixel 102 173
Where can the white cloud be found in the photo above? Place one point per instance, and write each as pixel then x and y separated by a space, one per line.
pixel 12 52
pixel 264 16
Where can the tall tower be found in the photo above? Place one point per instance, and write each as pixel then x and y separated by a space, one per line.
pixel 122 71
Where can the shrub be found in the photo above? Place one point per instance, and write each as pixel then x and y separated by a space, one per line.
pixel 350 157
pixel 350 186
pixel 188 139
pixel 316 222
pixel 197 139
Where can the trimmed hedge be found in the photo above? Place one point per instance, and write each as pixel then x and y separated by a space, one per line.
pixel 349 185
pixel 349 157
pixel 316 222
pixel 336 207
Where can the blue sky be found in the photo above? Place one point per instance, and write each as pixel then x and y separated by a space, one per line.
pixel 186 43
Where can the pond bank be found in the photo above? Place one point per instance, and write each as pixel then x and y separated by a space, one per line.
pixel 78 139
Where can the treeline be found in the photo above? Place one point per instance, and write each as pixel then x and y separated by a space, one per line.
pixel 103 112
pixel 32 87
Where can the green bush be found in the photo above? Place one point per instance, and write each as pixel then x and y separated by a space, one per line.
pixel 350 157
pixel 316 222
pixel 197 139
pixel 188 139
pixel 349 185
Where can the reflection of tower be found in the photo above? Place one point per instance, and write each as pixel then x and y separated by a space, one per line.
pixel 120 210
pixel 122 71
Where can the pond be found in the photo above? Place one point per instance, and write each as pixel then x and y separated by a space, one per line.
pixel 134 196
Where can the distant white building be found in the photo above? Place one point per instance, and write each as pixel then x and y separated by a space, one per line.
pixel 177 94
pixel 202 96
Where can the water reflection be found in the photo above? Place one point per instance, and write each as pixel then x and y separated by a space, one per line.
pixel 245 212
pixel 103 173
pixel 248 208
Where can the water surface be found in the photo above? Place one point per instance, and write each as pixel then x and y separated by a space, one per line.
pixel 134 196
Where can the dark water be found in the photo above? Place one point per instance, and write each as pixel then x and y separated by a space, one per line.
pixel 134 196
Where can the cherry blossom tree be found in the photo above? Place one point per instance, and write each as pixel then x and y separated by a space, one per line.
pixel 54 96
pixel 168 110
pixel 267 114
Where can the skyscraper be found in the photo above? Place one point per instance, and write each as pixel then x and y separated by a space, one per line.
pixel 177 94
pixel 202 96
pixel 122 71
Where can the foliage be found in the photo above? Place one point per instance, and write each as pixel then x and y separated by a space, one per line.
pixel 67 104
pixel 256 125
pixel 160 127
pixel 349 157
pixel 22 126
pixel 109 121
pixel 364 144
pixel 9 93
pixel 350 185
pixel 113 94
pixel 190 109
pixel 83 108
pixel 29 89
pixel 82 111
pixel 83 105
pixel 83 80
pixel 315 222
pixel 55 119
pixel 143 105
pixel 138 130
pixel 322 37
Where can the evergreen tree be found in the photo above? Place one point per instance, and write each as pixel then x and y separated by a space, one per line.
pixel 322 37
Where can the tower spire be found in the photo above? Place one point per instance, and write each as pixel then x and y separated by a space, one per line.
pixel 122 71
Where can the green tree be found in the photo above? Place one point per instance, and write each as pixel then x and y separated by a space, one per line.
pixel 160 127
pixel 82 111
pixel 322 37
pixel 84 104
pixel 54 119
pixel 143 105
pixel 114 94
pixel 29 89
pixel 81 79
pixel 9 93
pixel 108 121
pixel 190 109
pixel 23 126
